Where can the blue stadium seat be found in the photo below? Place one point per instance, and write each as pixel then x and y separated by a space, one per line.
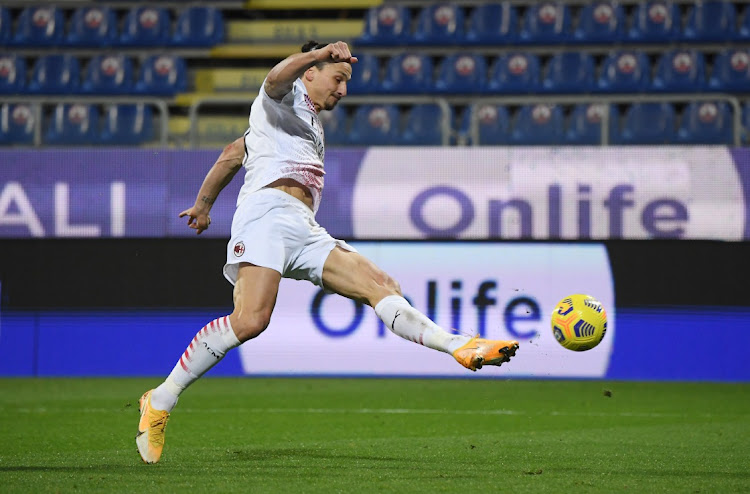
pixel 647 123
pixel 538 124
pixel 625 72
pixel 408 73
pixel 73 124
pixel 492 24
pixel 365 75
pixel 746 124
pixel 146 26
pixel 711 21
pixel 424 126
pixel 375 125
pixel 585 126
pixel 462 73
pixel 55 74
pixel 163 75
pixel 386 25
pixel 109 74
pixel 127 125
pixel 95 27
pixel 40 26
pixel 515 73
pixel 199 26
pixel 12 74
pixel 16 124
pixel 655 21
pixel 731 71
pixel 440 24
pixel 680 71
pixel 6 27
pixel 706 122
pixel 493 124
pixel 570 72
pixel 548 22
pixel 600 22
pixel 743 32
pixel 335 126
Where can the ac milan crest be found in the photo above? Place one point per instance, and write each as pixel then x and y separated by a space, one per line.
pixel 239 248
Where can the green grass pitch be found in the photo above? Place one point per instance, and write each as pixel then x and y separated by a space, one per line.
pixel 380 435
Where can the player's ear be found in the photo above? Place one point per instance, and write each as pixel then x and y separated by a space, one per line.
pixel 310 74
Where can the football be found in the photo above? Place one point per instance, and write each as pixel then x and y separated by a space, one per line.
pixel 579 322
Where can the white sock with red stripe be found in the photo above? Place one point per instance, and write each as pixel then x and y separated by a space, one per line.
pixel 208 347
pixel 407 322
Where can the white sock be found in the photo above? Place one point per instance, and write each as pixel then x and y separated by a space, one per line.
pixel 208 347
pixel 410 324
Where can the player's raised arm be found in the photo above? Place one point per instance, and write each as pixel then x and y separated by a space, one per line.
pixel 226 167
pixel 281 78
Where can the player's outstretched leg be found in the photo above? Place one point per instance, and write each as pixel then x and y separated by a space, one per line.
pixel 478 352
pixel 407 322
pixel 208 347
pixel 151 430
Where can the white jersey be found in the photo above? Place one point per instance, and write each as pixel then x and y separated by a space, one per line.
pixel 285 140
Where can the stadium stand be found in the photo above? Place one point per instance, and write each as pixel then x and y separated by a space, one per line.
pixel 146 26
pixel 163 75
pixel 16 124
pixel 492 125
pixel 127 125
pixel 585 126
pixel 680 70
pixel 569 72
pixel 12 74
pixel 462 73
pixel 546 23
pixel 109 74
pixel 731 71
pixel 538 124
pixel 386 25
pixel 6 27
pixel 40 26
pixel 408 73
pixel 441 24
pixel 600 22
pixel 55 74
pixel 648 123
pixel 92 26
pixel 375 125
pixel 366 79
pixel 706 123
pixel 711 21
pixel 424 125
pixel 492 23
pixel 515 73
pixel 73 125
pixel 625 72
pixel 335 123
pixel 199 26
pixel 655 21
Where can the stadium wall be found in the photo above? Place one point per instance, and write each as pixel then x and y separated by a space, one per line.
pixel 127 301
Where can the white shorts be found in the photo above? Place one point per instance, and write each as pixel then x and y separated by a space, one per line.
pixel 275 230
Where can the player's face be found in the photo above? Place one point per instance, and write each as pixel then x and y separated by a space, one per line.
pixel 330 85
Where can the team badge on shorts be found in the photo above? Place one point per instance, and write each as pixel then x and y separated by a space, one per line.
pixel 239 249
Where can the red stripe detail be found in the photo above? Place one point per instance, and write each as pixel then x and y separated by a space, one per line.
pixel 186 355
pixel 420 340
pixel 182 363
pixel 213 326
pixel 191 346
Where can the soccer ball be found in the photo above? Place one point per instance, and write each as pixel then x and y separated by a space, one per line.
pixel 579 322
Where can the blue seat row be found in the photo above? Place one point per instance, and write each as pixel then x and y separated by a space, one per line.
pixel 622 71
pixel 97 26
pixel 162 75
pixel 78 124
pixel 554 22
pixel 541 124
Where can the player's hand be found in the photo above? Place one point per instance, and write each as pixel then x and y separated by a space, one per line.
pixel 339 52
pixel 197 220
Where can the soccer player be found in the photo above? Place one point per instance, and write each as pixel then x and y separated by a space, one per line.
pixel 275 235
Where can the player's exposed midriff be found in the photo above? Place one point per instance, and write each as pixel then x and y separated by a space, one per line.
pixel 294 189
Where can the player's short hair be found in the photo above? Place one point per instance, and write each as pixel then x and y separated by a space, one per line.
pixel 314 45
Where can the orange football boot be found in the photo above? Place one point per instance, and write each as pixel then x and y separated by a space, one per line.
pixel 150 437
pixel 478 352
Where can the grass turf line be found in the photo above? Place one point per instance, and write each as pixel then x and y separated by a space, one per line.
pixel 380 435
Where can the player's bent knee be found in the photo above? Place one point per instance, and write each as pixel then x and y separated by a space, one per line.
pixel 248 325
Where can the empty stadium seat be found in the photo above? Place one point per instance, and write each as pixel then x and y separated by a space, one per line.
pixel 440 24
pixel 655 21
pixel 548 22
pixel 17 124
pixel 40 26
pixel 163 75
pixel 386 25
pixel 538 124
pixel 408 73
pixel 515 73
pixel 491 24
pixel 146 26
pixel 680 70
pixel 109 74
pixel 199 26
pixel 12 74
pixel 365 75
pixel 706 122
pixel 731 71
pixel 6 27
pixel 571 72
pixel 585 127
pixel 335 126
pixel 492 121
pixel 746 123
pixel 95 27
pixel 73 124
pixel 600 22
pixel 55 74
pixel 375 125
pixel 127 125
pixel 424 125
pixel 626 72
pixel 711 21
pixel 462 73
pixel 647 123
